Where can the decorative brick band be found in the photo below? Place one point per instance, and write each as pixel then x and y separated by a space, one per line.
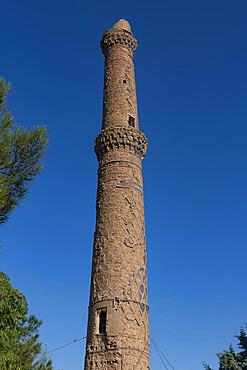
pixel 113 37
pixel 119 163
pixel 117 300
pixel 121 137
pixel 117 349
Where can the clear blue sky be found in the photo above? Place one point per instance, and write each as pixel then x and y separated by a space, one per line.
pixel 192 92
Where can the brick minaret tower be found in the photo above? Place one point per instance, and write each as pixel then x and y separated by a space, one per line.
pixel 118 328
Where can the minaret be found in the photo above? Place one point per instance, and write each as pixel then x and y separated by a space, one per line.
pixel 118 326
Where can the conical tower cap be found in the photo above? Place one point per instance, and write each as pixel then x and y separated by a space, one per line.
pixel 122 24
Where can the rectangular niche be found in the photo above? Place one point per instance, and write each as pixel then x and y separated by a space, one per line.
pixel 131 121
pixel 101 321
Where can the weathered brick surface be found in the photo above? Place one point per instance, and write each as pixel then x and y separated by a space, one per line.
pixel 119 276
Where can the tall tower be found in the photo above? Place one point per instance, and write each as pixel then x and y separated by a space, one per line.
pixel 118 327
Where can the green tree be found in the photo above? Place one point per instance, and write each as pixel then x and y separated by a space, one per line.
pixel 232 360
pixel 19 345
pixel 20 153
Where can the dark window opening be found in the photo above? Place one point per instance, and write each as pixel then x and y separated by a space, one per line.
pixel 131 121
pixel 102 322
pixel 124 81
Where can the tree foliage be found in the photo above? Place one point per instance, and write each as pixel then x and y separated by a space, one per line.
pixel 19 345
pixel 20 153
pixel 232 360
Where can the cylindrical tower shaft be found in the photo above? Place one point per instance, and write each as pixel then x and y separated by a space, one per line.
pixel 118 328
pixel 118 45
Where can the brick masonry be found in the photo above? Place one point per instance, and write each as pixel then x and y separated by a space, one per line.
pixel 119 275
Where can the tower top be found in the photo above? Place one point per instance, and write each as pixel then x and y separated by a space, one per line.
pixel 119 34
pixel 122 24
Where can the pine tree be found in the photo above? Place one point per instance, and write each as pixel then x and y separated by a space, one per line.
pixel 232 360
pixel 20 153
pixel 19 345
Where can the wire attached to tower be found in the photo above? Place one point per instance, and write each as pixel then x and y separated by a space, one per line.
pixel 64 345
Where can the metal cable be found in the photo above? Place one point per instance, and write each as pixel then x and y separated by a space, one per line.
pixel 156 347
pixel 161 359
pixel 65 345
pixel 161 353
